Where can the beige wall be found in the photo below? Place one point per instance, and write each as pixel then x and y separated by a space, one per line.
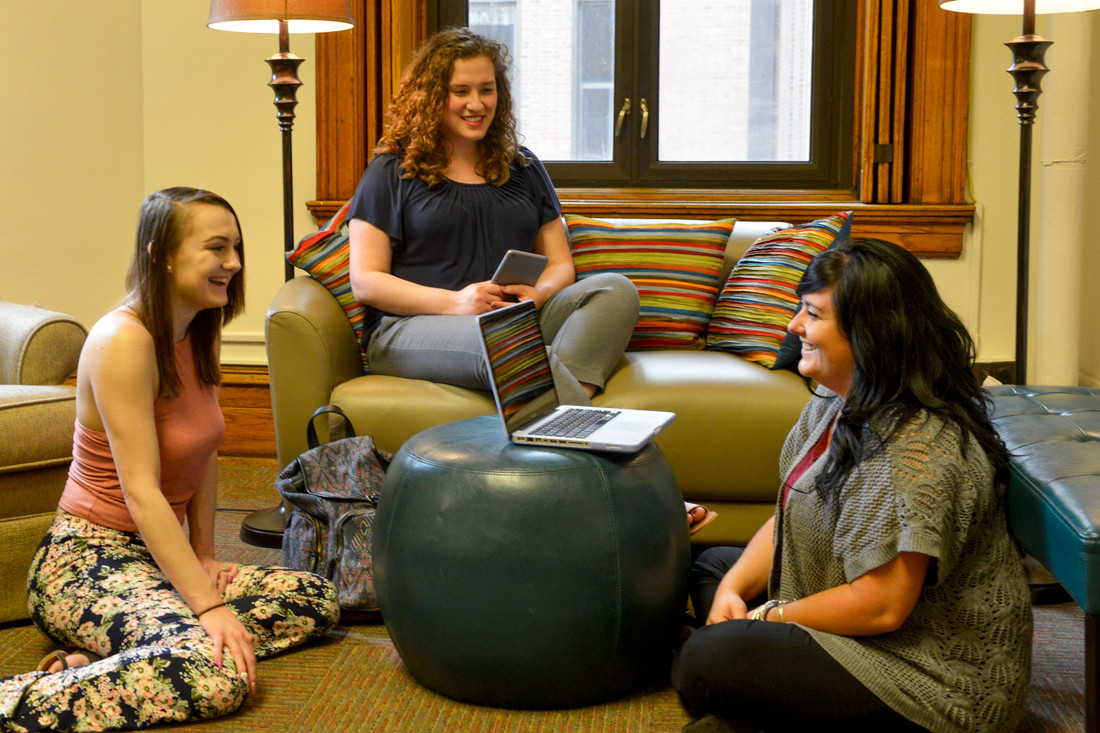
pixel 70 151
pixel 111 101
pixel 1090 270
pixel 1071 101
pixel 114 100
pixel 210 122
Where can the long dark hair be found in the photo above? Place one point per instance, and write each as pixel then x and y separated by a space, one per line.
pixel 911 353
pixel 414 129
pixel 161 227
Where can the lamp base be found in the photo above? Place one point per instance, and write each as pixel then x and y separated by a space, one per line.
pixel 264 527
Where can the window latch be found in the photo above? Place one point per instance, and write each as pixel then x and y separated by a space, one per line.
pixel 645 116
pixel 623 112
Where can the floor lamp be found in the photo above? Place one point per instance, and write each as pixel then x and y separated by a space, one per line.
pixel 265 527
pixel 1027 70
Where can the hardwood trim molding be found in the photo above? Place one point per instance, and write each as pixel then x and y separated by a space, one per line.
pixel 245 399
pixel 930 231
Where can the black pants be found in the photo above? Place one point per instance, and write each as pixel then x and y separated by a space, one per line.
pixel 768 676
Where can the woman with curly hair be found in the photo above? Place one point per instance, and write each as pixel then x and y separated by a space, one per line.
pixel 449 192
pixel 151 626
pixel 885 593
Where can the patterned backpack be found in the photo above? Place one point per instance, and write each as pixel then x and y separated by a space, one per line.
pixel 333 488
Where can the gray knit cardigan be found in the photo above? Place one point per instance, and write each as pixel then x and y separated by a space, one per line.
pixel 962 660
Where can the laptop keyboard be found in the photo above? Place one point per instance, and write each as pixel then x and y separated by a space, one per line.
pixel 576 423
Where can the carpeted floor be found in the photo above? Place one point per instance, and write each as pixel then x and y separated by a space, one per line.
pixel 353 680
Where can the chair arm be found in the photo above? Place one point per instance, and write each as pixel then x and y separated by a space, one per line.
pixel 37 346
pixel 311 348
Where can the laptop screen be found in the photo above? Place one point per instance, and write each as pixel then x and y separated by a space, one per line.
pixel 518 364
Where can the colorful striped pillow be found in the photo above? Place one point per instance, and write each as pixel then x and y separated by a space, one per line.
pixel 675 266
pixel 324 255
pixel 758 301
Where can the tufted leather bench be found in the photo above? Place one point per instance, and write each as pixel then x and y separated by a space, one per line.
pixel 1053 434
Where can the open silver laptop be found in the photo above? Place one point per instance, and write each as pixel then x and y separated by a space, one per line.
pixel 519 370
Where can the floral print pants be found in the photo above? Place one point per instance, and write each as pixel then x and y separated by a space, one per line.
pixel 98 589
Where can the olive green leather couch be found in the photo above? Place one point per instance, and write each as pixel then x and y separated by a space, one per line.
pixel 731 414
pixel 39 349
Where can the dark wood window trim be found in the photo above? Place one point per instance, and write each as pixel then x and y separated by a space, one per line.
pixel 911 116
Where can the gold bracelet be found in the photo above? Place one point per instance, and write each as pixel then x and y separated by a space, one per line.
pixel 781 619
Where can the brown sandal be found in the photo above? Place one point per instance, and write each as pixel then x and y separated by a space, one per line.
pixel 56 655
pixel 708 517
pixel 59 655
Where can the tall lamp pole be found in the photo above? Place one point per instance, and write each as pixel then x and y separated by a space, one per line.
pixel 285 82
pixel 1028 69
pixel 265 527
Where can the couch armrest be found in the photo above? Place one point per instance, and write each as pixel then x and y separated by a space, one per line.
pixel 311 348
pixel 37 346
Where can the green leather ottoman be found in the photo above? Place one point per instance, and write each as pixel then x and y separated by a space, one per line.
pixel 529 577
pixel 1053 434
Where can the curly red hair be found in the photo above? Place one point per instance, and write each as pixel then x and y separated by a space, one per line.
pixel 414 125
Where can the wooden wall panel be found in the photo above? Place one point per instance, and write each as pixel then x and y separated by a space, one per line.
pixel 345 86
pixel 357 73
pixel 245 400
pixel 939 106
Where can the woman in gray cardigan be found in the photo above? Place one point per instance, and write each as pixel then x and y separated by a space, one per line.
pixel 885 593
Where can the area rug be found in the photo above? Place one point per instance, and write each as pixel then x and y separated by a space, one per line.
pixel 353 679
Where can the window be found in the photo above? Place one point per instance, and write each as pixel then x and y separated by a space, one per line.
pixel 907 142
pixel 719 93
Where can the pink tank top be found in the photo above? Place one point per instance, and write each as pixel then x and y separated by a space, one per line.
pixel 189 429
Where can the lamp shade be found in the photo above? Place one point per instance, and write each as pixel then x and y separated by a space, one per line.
pixel 263 16
pixel 1016 7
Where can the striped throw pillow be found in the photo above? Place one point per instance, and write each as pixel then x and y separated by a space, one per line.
pixel 676 267
pixel 324 255
pixel 758 301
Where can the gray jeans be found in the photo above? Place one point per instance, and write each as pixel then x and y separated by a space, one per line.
pixel 586 326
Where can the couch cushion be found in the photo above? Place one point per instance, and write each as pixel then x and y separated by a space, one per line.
pixel 393 409
pixel 44 419
pixel 731 418
pixel 324 255
pixel 675 266
pixel 758 301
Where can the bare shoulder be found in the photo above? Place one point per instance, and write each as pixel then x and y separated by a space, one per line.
pixel 118 367
pixel 118 341
pixel 119 327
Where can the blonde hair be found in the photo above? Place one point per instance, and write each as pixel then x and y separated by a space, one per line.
pixel 414 127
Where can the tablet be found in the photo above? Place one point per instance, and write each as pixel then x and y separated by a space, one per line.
pixel 519 268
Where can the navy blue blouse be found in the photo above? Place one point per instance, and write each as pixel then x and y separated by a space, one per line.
pixel 454 234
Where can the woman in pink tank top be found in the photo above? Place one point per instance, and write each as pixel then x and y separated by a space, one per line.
pixel 165 630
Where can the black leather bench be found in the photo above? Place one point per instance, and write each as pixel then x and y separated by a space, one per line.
pixel 1053 434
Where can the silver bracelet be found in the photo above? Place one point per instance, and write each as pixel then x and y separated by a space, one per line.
pixel 769 605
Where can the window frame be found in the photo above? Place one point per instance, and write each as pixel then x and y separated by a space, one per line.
pixel 831 164
pixel 909 131
pixel 635 160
